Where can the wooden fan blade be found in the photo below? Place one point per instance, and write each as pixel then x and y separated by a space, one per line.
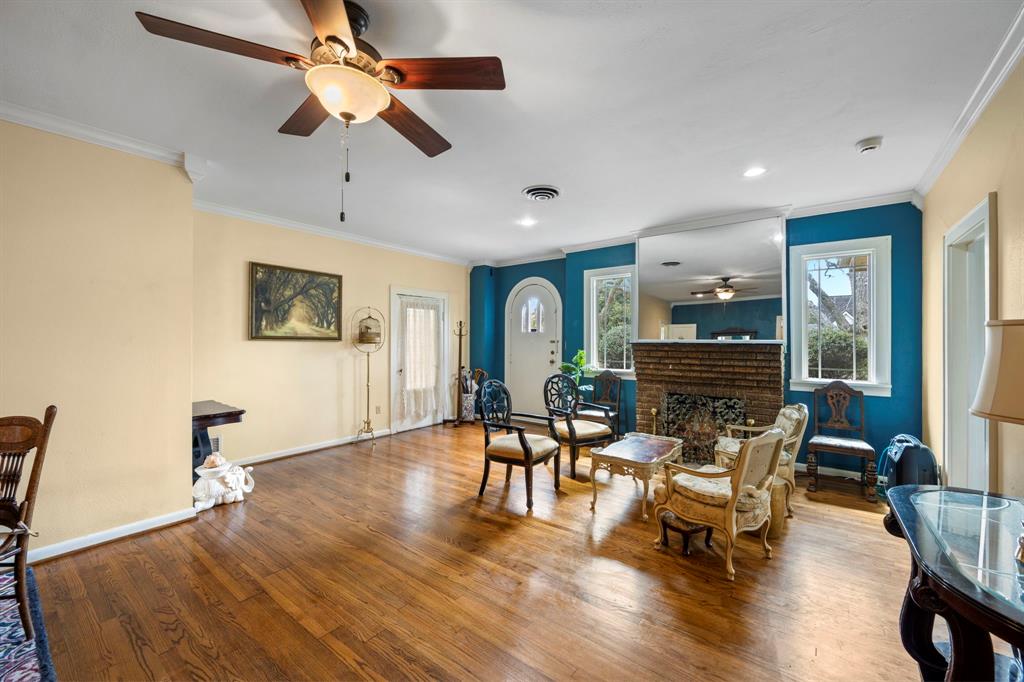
pixel 330 21
pixel 219 41
pixel 306 119
pixel 447 73
pixel 414 128
pixel 699 293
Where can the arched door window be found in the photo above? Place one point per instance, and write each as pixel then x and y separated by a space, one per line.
pixel 533 316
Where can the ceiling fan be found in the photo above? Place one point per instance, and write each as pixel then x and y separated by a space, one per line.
pixel 724 291
pixel 347 77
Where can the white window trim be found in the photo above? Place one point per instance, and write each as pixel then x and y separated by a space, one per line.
pixel 880 344
pixel 589 333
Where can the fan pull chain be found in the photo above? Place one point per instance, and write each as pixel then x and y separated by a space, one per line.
pixel 344 146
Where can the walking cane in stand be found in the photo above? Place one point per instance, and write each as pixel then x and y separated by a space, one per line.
pixel 461 333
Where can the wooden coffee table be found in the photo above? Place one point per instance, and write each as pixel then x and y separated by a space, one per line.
pixel 638 455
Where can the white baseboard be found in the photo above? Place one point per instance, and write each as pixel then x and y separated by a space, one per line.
pixel 75 544
pixel 832 471
pixel 268 456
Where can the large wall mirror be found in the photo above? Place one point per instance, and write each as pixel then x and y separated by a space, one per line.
pixel 722 282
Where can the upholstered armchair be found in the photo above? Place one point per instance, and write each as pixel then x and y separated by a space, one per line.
pixel 792 420
pixel 562 399
pixel 729 500
pixel 515 448
pixel 608 397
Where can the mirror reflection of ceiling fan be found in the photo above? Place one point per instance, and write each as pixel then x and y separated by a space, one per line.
pixel 724 291
pixel 347 76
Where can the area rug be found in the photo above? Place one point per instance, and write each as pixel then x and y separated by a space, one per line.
pixel 21 660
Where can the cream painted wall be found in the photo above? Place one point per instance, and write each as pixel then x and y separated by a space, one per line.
pixel 991 158
pixel 297 393
pixel 653 313
pixel 96 318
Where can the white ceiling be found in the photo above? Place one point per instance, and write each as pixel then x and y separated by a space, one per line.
pixel 749 252
pixel 643 113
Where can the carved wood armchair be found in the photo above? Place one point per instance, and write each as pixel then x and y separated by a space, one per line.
pixel 562 399
pixel 729 500
pixel 836 399
pixel 18 437
pixel 516 448
pixel 792 420
pixel 607 394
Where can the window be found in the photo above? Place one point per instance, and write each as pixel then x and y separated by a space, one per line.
pixel 839 294
pixel 533 316
pixel 609 318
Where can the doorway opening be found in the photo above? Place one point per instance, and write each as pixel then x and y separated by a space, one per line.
pixel 969 288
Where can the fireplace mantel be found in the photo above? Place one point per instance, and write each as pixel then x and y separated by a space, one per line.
pixel 750 370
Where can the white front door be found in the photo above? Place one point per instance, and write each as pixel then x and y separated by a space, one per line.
pixel 533 342
pixel 419 381
pixel 967 306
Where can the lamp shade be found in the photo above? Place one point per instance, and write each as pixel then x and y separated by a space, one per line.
pixel 347 93
pixel 1001 390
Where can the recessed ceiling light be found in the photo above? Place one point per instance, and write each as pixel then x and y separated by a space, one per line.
pixel 700 295
pixel 754 171
pixel 670 263
pixel 527 221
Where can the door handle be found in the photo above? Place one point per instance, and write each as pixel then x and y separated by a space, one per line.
pixel 399 371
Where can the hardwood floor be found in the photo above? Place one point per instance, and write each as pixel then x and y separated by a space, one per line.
pixel 384 564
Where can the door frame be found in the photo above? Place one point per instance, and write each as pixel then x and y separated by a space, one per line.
pixel 980 222
pixel 397 291
pixel 519 286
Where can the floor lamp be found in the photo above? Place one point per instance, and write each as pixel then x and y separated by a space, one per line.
pixel 1000 394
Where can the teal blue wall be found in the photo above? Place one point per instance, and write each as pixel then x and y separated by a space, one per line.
pixel 490 286
pixel 900 413
pixel 758 314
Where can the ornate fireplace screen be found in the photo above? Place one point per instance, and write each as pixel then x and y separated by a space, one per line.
pixel 697 420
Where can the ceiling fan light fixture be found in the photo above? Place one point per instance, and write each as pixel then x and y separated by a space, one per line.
pixel 725 294
pixel 347 93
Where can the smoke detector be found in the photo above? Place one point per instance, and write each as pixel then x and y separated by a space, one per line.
pixel 869 144
pixel 541 192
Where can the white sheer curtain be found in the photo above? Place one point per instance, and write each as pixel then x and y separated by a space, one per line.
pixel 420 384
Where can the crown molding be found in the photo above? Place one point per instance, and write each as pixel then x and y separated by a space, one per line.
pixel 536 258
pixel 714 221
pixel 276 221
pixel 907 196
pixel 39 120
pixel 600 244
pixel 1003 62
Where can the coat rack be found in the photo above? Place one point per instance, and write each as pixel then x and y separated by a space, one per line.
pixel 460 333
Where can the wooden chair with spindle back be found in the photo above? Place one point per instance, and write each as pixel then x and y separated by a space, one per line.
pixel 18 437
pixel 607 394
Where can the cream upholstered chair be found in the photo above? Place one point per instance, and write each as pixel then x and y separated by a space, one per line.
pixel 729 500
pixel 792 419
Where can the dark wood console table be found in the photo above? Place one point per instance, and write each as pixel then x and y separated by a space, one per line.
pixel 207 413
pixel 963 547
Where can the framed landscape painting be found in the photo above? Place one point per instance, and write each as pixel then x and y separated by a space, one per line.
pixel 289 303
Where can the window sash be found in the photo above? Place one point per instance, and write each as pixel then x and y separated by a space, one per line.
pixel 593 279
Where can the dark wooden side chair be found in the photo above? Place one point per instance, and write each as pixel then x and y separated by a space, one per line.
pixel 837 397
pixel 607 394
pixel 562 399
pixel 516 448
pixel 18 437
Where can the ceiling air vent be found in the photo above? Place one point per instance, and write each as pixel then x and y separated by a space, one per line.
pixel 541 192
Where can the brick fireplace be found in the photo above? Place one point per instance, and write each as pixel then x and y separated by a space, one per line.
pixel 722 371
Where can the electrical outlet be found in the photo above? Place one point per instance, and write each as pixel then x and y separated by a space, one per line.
pixel 378 410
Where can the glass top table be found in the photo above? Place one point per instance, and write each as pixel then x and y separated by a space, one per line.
pixel 963 546
pixel 979 534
